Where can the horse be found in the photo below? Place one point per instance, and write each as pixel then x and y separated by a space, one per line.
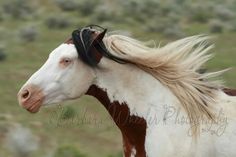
pixel 157 98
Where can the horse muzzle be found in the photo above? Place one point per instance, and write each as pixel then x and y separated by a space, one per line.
pixel 31 98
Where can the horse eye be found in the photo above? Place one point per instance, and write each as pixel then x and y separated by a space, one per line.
pixel 65 62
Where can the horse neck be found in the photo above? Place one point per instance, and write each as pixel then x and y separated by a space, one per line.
pixel 131 96
pixel 126 83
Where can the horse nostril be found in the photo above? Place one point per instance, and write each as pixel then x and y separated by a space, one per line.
pixel 25 94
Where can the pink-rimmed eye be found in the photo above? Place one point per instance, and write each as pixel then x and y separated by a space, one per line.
pixel 64 62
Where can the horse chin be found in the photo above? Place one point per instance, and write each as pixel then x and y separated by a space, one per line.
pixel 33 107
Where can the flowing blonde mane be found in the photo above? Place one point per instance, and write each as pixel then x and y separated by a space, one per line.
pixel 176 66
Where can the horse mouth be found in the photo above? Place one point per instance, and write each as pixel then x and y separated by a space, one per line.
pixel 34 107
pixel 31 98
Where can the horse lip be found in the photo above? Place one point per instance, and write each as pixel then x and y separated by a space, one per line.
pixel 34 107
pixel 33 110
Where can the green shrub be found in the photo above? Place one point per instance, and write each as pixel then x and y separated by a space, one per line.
pixel 103 13
pixel 140 10
pixel 67 113
pixel 174 18
pixel 1 15
pixel 86 7
pixel 149 7
pixel 156 26
pixel 67 5
pixel 68 151
pixel 173 32
pixel 28 34
pixel 58 22
pixel 199 13
pixel 119 154
pixel 232 26
pixel 3 55
pixel 216 26
pixel 224 13
pixel 19 9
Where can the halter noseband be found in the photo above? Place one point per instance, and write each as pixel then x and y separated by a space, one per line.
pixel 86 42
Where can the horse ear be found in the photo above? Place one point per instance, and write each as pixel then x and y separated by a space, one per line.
pixel 94 51
pixel 89 45
pixel 100 36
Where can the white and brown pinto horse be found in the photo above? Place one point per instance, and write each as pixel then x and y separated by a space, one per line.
pixel 163 106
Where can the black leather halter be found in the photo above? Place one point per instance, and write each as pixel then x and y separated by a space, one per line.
pixel 85 43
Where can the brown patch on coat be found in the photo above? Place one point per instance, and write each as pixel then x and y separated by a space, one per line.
pixel 133 128
pixel 231 92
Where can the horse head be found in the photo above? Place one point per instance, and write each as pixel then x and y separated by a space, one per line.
pixel 67 73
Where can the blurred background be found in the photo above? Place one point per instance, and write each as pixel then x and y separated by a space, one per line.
pixel 31 29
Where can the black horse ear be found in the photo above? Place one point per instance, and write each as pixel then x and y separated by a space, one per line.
pixel 94 51
pixel 101 36
pixel 89 45
pixel 100 50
